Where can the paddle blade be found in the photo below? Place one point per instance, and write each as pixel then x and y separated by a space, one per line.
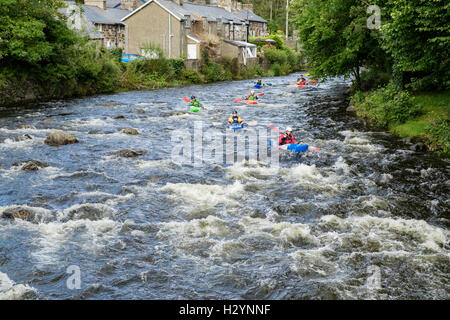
pixel 260 94
pixel 186 99
pixel 274 129
pixel 238 100
pixel 307 74
pixel 301 86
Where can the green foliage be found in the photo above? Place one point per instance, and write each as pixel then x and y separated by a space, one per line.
pixel 438 134
pixel 385 106
pixel 335 38
pixel 191 76
pixel 117 54
pixel 417 36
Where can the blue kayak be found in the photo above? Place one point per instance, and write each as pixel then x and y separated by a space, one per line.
pixel 235 126
pixel 258 85
pixel 291 147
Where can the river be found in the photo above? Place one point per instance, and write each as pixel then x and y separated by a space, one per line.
pixel 364 218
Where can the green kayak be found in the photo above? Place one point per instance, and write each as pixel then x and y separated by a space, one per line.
pixel 195 109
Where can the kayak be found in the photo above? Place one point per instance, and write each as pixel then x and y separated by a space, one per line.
pixel 235 126
pixel 251 102
pixel 291 147
pixel 195 109
pixel 258 86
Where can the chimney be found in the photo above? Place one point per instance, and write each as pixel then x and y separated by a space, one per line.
pixel 97 3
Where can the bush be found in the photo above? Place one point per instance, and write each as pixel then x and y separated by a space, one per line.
pixel 274 55
pixel 276 69
pixel 385 106
pixel 439 135
pixel 191 76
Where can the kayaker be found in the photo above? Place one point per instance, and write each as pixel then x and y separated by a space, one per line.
pixel 251 96
pixel 259 82
pixel 301 81
pixel 287 138
pixel 234 119
pixel 195 103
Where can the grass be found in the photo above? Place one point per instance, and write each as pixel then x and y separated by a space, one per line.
pixel 433 105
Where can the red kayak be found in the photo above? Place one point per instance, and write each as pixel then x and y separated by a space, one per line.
pixel 250 102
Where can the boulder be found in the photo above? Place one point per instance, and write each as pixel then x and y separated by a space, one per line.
pixel 22 138
pixel 48 120
pixel 30 165
pixel 60 138
pixel 130 131
pixel 18 213
pixel 419 147
pixel 128 153
pixel 26 126
pixel 119 117
pixel 140 111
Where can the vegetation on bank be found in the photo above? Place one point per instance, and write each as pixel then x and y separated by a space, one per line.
pixel 400 68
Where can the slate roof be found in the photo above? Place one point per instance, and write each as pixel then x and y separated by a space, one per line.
pixel 211 13
pixel 243 14
pixel 108 16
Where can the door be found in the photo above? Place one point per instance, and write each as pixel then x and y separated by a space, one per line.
pixel 192 51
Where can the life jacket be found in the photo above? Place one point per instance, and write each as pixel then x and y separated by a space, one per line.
pixel 302 82
pixel 235 120
pixel 285 139
pixel 259 82
pixel 251 97
pixel 195 103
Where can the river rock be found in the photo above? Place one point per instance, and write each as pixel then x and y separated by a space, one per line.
pixel 60 138
pixel 48 120
pixel 140 111
pixel 30 165
pixel 419 147
pixel 119 117
pixel 128 153
pixel 18 213
pixel 130 131
pixel 26 126
pixel 22 138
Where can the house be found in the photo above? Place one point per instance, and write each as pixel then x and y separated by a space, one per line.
pixel 98 21
pixel 180 28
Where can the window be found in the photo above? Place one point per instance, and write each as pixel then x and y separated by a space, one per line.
pixel 187 22
pixel 192 51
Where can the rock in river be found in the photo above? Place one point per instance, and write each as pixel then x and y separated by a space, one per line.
pixel 130 131
pixel 30 165
pixel 128 153
pixel 60 138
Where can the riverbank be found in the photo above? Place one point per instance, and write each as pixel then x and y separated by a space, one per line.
pixel 115 76
pixel 422 119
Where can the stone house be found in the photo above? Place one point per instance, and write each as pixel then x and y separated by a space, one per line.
pixel 98 21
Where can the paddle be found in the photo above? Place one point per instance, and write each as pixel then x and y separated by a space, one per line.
pixel 240 100
pixel 186 99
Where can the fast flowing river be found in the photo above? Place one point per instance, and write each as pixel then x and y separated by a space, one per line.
pixel 365 218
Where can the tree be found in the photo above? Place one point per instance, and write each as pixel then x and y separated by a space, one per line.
pixel 417 36
pixel 335 37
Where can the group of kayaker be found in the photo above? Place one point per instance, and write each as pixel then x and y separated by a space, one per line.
pixel 284 138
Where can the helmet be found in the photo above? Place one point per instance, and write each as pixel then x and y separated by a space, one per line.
pixel 234 112
pixel 252 92
pixel 289 129
pixel 192 97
